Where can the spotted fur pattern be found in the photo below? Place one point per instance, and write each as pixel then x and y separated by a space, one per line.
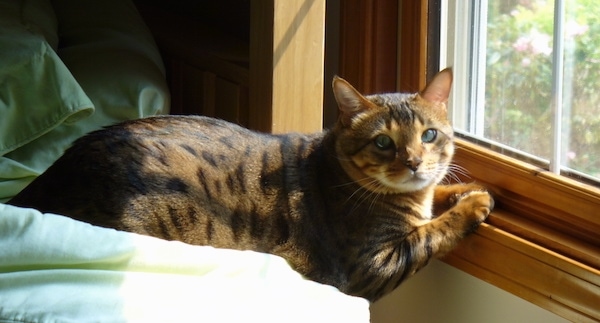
pixel 350 207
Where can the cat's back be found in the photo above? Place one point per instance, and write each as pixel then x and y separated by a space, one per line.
pixel 169 132
pixel 159 163
pixel 176 126
pixel 168 144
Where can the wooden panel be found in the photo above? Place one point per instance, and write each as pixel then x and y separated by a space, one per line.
pixel 231 102
pixel 261 65
pixel 202 64
pixel 287 43
pixel 208 91
pixel 412 69
pixel 369 38
pixel 556 202
pixel 547 279
pixel 196 90
pixel 175 80
pixel 541 242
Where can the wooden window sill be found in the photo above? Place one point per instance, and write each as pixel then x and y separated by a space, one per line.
pixel 541 242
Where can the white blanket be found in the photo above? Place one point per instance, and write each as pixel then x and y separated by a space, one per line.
pixel 55 269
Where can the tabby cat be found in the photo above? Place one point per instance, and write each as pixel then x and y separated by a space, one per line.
pixel 350 207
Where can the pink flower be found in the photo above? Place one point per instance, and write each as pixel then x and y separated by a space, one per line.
pixel 522 44
pixel 540 43
pixel 536 43
pixel 573 29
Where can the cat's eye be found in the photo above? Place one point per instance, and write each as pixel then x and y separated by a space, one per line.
pixel 429 135
pixel 384 142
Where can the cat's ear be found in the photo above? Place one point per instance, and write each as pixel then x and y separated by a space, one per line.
pixel 438 89
pixel 349 100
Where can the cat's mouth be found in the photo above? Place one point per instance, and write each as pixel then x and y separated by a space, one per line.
pixel 394 180
pixel 406 181
pixel 419 175
pixel 416 177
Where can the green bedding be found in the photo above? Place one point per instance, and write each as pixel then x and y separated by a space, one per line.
pixel 104 68
pixel 55 269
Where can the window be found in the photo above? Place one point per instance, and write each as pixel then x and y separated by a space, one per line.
pixel 542 240
pixel 514 60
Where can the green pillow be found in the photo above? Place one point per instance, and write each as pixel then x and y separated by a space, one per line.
pixel 67 68
pixel 38 93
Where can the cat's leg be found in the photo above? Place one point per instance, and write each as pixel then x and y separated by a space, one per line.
pixel 470 209
pixel 442 234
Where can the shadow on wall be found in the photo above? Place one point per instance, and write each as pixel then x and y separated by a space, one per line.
pixel 442 293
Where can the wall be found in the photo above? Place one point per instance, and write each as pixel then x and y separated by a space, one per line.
pixel 442 293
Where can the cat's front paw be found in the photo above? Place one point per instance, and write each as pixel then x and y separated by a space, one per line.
pixel 461 190
pixel 448 196
pixel 476 204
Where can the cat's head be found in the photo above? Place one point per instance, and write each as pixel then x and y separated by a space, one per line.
pixel 395 143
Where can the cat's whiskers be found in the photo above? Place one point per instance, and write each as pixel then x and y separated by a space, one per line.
pixel 364 189
pixel 452 178
pixel 449 177
pixel 453 173
pixel 373 200
pixel 372 195
pixel 459 169
pixel 367 181
pixel 365 195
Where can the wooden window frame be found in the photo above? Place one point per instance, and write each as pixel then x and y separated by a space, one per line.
pixel 287 54
pixel 542 241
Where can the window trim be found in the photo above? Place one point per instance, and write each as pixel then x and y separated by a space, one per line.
pixel 565 205
pixel 541 242
pixel 526 246
pixel 543 231
pixel 530 245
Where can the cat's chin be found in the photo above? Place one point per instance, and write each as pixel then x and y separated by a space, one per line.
pixel 409 182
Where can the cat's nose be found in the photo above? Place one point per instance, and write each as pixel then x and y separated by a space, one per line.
pixel 413 163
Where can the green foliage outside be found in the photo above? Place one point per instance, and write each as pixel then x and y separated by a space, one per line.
pixel 519 79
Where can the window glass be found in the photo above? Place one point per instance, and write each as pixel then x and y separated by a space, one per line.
pixel 519 58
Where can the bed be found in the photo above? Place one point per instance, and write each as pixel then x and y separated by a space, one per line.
pixel 69 67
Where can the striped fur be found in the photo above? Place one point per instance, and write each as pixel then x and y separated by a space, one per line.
pixel 350 207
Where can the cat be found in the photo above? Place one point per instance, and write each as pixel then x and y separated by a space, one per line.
pixel 350 207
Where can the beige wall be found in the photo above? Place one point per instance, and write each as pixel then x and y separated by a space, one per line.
pixel 442 293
